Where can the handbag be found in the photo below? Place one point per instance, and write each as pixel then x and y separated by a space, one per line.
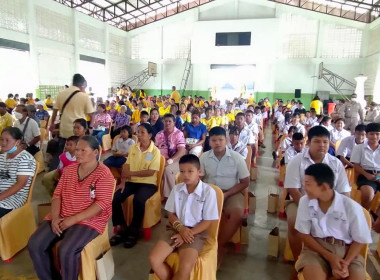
pixel 105 267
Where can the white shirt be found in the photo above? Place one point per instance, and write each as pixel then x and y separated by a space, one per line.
pixel 291 153
pixel 344 220
pixel 252 127
pixel 286 143
pixel 226 172
pixel 240 148
pixel 191 209
pixel 329 128
pixel 300 128
pixel 336 135
pixel 366 157
pixel 123 146
pixel 346 146
pixel 277 114
pixel 371 116
pixel 295 172
pixel 311 121
pixel 32 130
pixel 246 137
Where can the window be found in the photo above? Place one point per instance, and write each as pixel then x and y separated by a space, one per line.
pixel 233 39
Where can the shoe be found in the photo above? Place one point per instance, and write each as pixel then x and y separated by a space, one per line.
pixel 117 239
pixel 131 241
pixel 262 145
pixel 274 155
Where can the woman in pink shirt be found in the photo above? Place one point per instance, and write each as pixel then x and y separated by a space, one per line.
pixel 102 123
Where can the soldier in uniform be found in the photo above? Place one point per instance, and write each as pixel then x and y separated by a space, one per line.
pixel 352 112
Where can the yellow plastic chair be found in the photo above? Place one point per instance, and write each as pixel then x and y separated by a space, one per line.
pixel 107 141
pixel 337 144
pixel 206 265
pixel 152 214
pixel 363 252
pixel 281 213
pixel 17 226
pixel 39 157
pixel 134 137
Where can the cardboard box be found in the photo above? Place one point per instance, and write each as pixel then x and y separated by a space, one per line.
pixel 274 242
pixel 272 203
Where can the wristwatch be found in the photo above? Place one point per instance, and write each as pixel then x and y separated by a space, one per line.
pixel 170 161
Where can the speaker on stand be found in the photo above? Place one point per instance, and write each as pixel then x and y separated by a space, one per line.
pixel 297 93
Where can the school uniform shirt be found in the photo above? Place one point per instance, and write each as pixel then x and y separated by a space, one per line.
pixel 366 157
pixel 123 146
pixel 286 143
pixel 76 196
pixel 344 220
pixel 300 128
pixel 22 164
pixel 311 121
pixel 191 209
pixel 329 128
pixel 195 132
pixel 295 172
pixel 246 137
pixel 240 148
pixel 210 123
pixel 149 159
pixel 32 130
pixel 252 127
pixel 336 135
pixel 277 114
pixel 346 146
pixel 291 153
pixel 226 172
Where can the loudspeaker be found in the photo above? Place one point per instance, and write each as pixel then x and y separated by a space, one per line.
pixel 297 93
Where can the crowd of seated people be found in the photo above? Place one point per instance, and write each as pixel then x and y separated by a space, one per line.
pixel 206 143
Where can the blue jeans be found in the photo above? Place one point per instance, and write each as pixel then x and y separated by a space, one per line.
pixel 113 161
pixel 99 134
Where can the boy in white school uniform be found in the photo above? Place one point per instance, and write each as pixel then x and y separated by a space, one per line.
pixel 318 142
pixel 366 160
pixel 298 146
pixel 333 229
pixel 348 144
pixel 192 206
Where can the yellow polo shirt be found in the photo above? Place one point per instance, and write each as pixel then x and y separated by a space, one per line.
pixel 209 123
pixel 186 117
pixel 251 100
pixel 148 160
pixel 230 117
pixel 135 116
pixel 160 104
pixel 11 103
pixel 48 101
pixel 221 121
pixel 163 111
pixel 176 97
pixel 6 120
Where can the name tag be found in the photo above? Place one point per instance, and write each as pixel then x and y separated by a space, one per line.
pixel 149 157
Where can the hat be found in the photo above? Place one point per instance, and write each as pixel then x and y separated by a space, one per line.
pixel 40 103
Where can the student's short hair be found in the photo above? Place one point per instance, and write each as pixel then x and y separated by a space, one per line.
pixel 296 115
pixel 339 119
pixel 318 131
pixel 78 80
pixel 240 114
pixel 249 112
pixel 73 139
pixel 292 129
pixel 217 131
pixel 297 136
pixel 322 173
pixel 127 128
pixel 170 116
pixel 102 106
pixel 360 127
pixel 196 113
pixel 10 95
pixel 144 113
pixel 208 109
pixel 192 159
pixel 234 130
pixel 372 127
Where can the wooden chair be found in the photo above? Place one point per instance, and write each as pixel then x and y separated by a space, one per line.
pixel 17 226
pixel 107 140
pixel 206 265
pixel 152 214
pixel 363 252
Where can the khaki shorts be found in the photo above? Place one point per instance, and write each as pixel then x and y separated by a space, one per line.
pixel 309 257
pixel 291 209
pixel 234 201
pixel 199 239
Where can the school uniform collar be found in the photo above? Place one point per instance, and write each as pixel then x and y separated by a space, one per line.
pixel 306 155
pixel 198 190
pixel 336 206
pixel 366 146
pixel 149 150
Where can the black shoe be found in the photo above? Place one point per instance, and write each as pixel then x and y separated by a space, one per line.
pixel 117 239
pixel 131 241
pixel 274 155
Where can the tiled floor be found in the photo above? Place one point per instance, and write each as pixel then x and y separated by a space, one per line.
pixel 250 263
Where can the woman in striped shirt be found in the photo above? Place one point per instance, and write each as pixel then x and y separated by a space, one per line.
pixel 80 209
pixel 17 168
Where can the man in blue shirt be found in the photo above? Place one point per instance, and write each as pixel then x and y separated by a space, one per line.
pixel 195 134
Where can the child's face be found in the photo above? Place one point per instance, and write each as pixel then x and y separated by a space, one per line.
pixel 217 112
pixel 319 145
pixel 70 146
pixel 313 190
pixel 328 123
pixel 234 137
pixel 339 125
pixel 296 120
pixel 307 114
pixel 124 134
pixel 360 136
pixel 298 145
pixel 248 117
pixel 208 114
pixel 373 136
pixel 144 119
pixel 195 119
pixel 189 173
pixel 239 121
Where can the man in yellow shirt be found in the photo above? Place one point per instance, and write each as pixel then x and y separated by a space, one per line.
pixel 209 121
pixel 49 102
pixel 175 95
pixel 6 119
pixel 251 100
pixel 10 103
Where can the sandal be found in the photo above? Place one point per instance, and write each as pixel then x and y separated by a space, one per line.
pixel 117 239
pixel 131 241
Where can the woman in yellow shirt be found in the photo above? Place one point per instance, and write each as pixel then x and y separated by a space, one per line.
pixel 185 116
pixel 317 105
pixel 209 121
pixel 49 102
pixel 164 110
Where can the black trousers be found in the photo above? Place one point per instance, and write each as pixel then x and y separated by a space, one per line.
pixel 4 211
pixel 74 239
pixel 142 193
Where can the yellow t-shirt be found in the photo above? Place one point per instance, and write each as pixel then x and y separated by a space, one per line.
pixel 201 103
pixel 48 101
pixel 221 121
pixel 108 108
pixel 176 96
pixel 316 104
pixel 135 116
pixel 11 103
pixel 186 117
pixel 6 120
pixel 267 104
pixel 142 94
pixel 163 111
pixel 117 107
pixel 230 117
pixel 160 104
pixel 30 101
pixel 148 160
pixel 209 123
pixel 251 100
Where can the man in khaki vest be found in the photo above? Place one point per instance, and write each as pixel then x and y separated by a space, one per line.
pixel 353 111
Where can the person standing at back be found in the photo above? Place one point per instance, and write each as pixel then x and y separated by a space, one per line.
pixel 175 95
pixel 72 103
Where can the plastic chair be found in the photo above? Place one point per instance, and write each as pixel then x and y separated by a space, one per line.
pixel 337 144
pixel 281 213
pixel 206 265
pixel 17 226
pixel 39 157
pixel 134 137
pixel 107 141
pixel 363 252
pixel 152 214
